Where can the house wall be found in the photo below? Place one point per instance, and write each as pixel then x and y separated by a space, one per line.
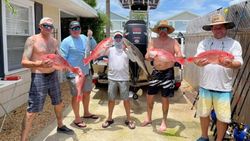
pixel 15 93
pixel 54 13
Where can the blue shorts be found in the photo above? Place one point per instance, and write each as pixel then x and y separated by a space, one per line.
pixel 41 85
pixel 163 80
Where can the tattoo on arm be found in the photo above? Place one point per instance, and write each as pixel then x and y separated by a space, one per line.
pixel 28 47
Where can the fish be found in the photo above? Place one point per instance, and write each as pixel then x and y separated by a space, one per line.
pixel 164 55
pixel 59 63
pixel 79 79
pixel 135 55
pixel 213 56
pixel 99 50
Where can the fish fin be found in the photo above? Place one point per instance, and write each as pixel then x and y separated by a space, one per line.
pixel 180 60
pixel 190 59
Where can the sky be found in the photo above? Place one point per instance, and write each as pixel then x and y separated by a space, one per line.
pixel 169 8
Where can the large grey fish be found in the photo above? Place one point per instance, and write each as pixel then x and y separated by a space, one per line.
pixel 135 55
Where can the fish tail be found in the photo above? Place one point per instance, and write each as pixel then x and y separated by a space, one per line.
pixel 190 59
pixel 86 60
pixel 78 98
pixel 180 60
pixel 75 70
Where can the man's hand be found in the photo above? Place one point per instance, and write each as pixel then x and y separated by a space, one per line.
pixel 90 33
pixel 152 54
pixel 226 62
pixel 201 62
pixel 46 63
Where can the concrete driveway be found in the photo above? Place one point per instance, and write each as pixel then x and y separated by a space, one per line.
pixel 182 126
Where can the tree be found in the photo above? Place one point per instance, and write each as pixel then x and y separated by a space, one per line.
pixel 92 3
pixel 10 7
pixel 96 25
pixel 108 16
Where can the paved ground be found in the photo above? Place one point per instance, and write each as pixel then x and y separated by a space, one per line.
pixel 182 126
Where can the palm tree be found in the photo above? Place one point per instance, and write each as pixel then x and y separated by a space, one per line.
pixel 108 15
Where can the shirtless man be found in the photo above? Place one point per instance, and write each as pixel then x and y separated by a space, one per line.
pixel 44 78
pixel 163 72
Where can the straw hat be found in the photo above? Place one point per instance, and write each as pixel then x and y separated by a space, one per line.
pixel 163 23
pixel 217 20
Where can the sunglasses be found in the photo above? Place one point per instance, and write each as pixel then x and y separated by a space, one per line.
pixel 163 28
pixel 76 28
pixel 118 37
pixel 48 26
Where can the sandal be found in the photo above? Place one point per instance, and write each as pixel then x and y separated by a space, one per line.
pixel 130 124
pixel 80 124
pixel 91 116
pixel 107 123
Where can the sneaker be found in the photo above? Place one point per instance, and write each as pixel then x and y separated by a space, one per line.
pixel 64 129
pixel 202 139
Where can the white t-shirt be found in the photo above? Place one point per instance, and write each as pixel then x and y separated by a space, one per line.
pixel 214 76
pixel 118 66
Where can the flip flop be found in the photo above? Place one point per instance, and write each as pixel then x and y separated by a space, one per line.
pixel 91 116
pixel 130 124
pixel 80 124
pixel 107 123
pixel 145 123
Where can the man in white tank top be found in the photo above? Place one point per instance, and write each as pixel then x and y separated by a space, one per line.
pixel 118 76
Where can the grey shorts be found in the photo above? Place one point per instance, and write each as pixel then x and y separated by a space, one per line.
pixel 87 86
pixel 113 87
pixel 41 85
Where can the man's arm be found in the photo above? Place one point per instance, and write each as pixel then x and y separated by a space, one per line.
pixel 147 55
pixel 177 49
pixel 237 62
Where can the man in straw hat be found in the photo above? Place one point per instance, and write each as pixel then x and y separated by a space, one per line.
pixel 216 79
pixel 163 72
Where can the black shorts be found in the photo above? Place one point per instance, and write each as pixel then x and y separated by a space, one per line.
pixel 162 80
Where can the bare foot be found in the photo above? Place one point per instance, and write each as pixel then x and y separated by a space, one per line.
pixel 162 128
pixel 145 123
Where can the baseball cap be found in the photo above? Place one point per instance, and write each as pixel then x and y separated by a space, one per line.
pixel 74 24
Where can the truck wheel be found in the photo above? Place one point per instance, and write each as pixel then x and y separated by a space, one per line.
pixel 135 96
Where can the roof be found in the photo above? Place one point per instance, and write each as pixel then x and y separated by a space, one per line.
pixel 185 15
pixel 76 7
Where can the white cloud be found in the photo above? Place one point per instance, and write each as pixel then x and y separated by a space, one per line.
pixel 233 2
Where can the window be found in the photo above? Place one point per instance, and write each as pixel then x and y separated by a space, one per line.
pixel 181 25
pixel 18 28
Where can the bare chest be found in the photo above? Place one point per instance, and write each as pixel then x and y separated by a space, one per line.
pixel 41 47
pixel 167 45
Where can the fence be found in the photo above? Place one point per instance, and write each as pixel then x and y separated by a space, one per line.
pixel 240 14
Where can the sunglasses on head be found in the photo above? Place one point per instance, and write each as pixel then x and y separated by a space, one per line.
pixel 163 28
pixel 76 28
pixel 48 26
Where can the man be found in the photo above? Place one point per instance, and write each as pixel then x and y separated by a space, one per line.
pixel 216 79
pixel 118 77
pixel 74 48
pixel 163 72
pixel 44 79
